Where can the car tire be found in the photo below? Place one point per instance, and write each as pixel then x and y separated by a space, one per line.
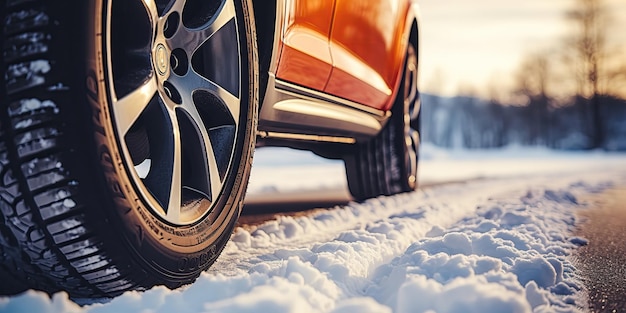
pixel 387 163
pixel 127 130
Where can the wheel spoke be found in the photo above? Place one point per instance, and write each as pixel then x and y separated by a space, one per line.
pixel 191 39
pixel 413 140
pixel 128 109
pixel 164 6
pixel 412 93
pixel 412 144
pixel 214 182
pixel 177 6
pixel 413 103
pixel 192 82
pixel 153 11
pixel 175 194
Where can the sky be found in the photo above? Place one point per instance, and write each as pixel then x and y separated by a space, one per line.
pixel 471 44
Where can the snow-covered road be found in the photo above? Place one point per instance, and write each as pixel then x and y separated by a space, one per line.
pixel 499 244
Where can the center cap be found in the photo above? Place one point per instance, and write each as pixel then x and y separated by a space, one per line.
pixel 161 59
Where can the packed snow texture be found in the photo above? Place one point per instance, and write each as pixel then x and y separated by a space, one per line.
pixel 498 244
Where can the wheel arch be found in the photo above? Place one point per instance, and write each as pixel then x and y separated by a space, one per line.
pixel 414 37
pixel 414 20
pixel 265 22
pixel 409 28
pixel 411 37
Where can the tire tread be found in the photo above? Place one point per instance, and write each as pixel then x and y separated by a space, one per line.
pixel 46 241
pixel 54 234
pixel 376 167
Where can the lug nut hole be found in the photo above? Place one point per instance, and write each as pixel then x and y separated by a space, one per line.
pixel 179 62
pixel 171 25
pixel 172 93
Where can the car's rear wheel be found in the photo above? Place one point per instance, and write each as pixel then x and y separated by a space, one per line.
pixel 387 164
pixel 127 133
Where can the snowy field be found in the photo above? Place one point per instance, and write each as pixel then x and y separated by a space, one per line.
pixel 497 239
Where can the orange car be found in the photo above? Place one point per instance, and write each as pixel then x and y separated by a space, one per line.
pixel 128 127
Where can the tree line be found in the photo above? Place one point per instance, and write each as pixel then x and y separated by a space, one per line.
pixel 470 122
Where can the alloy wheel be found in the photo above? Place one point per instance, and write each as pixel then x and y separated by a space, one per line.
pixel 411 117
pixel 176 103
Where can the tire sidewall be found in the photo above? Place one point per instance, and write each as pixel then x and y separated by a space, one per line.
pixel 178 253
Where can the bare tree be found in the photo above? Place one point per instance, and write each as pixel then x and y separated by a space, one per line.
pixel 588 45
pixel 532 88
pixel 533 77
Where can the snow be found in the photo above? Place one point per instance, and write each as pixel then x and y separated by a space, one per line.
pixel 498 239
pixel 286 170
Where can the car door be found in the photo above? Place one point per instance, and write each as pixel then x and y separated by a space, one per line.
pixel 305 56
pixel 366 49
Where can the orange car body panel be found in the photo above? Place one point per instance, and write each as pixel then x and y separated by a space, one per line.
pixel 352 49
pixel 305 56
pixel 367 50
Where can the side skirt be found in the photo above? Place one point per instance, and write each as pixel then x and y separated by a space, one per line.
pixel 293 112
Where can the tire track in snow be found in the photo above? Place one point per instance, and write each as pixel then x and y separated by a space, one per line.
pixel 275 241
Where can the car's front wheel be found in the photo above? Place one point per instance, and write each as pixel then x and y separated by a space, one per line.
pixel 387 164
pixel 125 159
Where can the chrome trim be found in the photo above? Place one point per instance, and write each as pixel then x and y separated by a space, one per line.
pixel 289 88
pixel 291 136
pixel 288 108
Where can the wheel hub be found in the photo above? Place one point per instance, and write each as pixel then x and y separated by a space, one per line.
pixel 161 59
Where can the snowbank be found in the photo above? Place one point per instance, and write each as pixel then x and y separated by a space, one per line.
pixel 498 244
